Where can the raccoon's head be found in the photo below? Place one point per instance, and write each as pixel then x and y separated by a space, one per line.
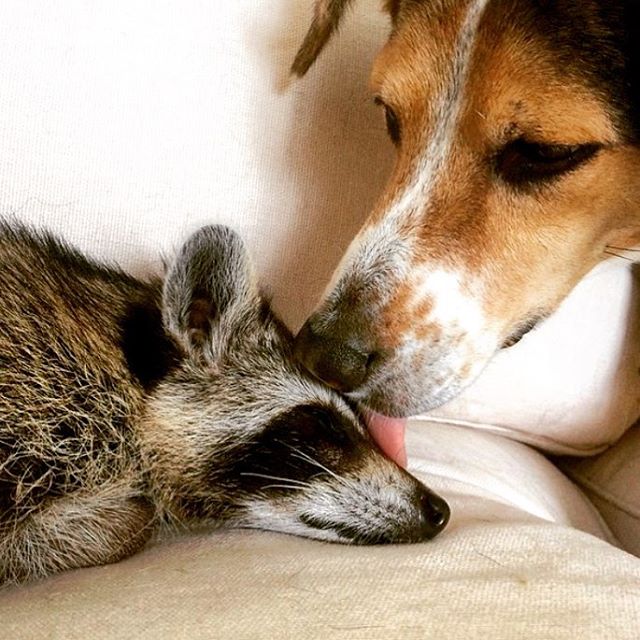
pixel 238 433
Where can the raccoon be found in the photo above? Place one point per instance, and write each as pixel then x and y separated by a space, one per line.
pixel 127 406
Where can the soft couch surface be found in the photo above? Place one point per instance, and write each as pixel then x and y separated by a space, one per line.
pixel 497 582
pixel 612 482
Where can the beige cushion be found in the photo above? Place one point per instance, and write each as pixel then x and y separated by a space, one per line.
pixel 535 582
pixel 612 482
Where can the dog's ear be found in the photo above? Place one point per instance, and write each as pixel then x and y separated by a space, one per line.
pixel 208 291
pixel 326 19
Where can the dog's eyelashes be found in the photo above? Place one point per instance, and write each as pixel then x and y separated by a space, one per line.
pixel 523 163
pixel 393 124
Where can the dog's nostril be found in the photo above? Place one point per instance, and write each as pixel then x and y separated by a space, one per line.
pixel 346 368
pixel 340 363
pixel 435 511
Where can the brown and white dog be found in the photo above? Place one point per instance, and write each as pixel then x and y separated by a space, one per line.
pixel 517 127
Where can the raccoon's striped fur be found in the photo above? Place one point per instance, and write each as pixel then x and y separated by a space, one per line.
pixel 127 404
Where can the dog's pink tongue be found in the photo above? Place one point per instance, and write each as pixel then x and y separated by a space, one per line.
pixel 389 435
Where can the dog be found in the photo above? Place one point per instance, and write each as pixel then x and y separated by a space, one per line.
pixel 129 406
pixel 517 129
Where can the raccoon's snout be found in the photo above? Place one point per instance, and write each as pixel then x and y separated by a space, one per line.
pixel 428 517
pixel 315 471
pixel 434 515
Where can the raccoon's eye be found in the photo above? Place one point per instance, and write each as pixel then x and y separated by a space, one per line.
pixel 393 124
pixel 320 415
pixel 307 423
pixel 523 162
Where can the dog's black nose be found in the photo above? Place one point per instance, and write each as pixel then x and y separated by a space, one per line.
pixel 340 362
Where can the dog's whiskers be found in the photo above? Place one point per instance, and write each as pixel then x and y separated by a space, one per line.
pixel 620 256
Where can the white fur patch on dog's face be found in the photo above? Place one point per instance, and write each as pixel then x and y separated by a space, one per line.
pixel 445 112
pixel 385 243
pixel 439 351
pixel 454 297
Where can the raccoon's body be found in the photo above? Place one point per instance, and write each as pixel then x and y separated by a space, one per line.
pixel 125 404
pixel 70 400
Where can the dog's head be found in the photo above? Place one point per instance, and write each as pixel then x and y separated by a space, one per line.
pixel 238 433
pixel 516 124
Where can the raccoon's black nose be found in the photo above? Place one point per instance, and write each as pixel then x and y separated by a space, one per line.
pixel 433 516
pixel 430 518
pixel 435 512
pixel 340 361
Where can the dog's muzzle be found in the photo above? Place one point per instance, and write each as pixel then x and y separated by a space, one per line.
pixel 339 359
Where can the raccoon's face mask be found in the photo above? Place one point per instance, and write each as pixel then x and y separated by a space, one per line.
pixel 239 433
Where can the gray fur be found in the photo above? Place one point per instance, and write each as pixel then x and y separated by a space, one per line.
pixel 126 406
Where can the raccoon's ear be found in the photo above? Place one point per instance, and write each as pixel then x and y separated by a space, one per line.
pixel 326 18
pixel 210 281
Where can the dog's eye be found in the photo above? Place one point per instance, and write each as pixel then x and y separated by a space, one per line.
pixel 522 162
pixel 393 124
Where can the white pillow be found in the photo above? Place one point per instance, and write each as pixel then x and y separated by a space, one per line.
pixel 487 478
pixel 572 386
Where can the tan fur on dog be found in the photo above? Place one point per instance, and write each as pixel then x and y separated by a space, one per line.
pixel 468 245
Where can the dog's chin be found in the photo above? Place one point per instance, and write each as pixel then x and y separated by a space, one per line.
pixel 402 397
pixel 522 329
pixel 387 403
pixel 401 390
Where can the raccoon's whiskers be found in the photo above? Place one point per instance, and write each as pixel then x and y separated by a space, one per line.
pixel 307 458
pixel 292 487
pixel 299 483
